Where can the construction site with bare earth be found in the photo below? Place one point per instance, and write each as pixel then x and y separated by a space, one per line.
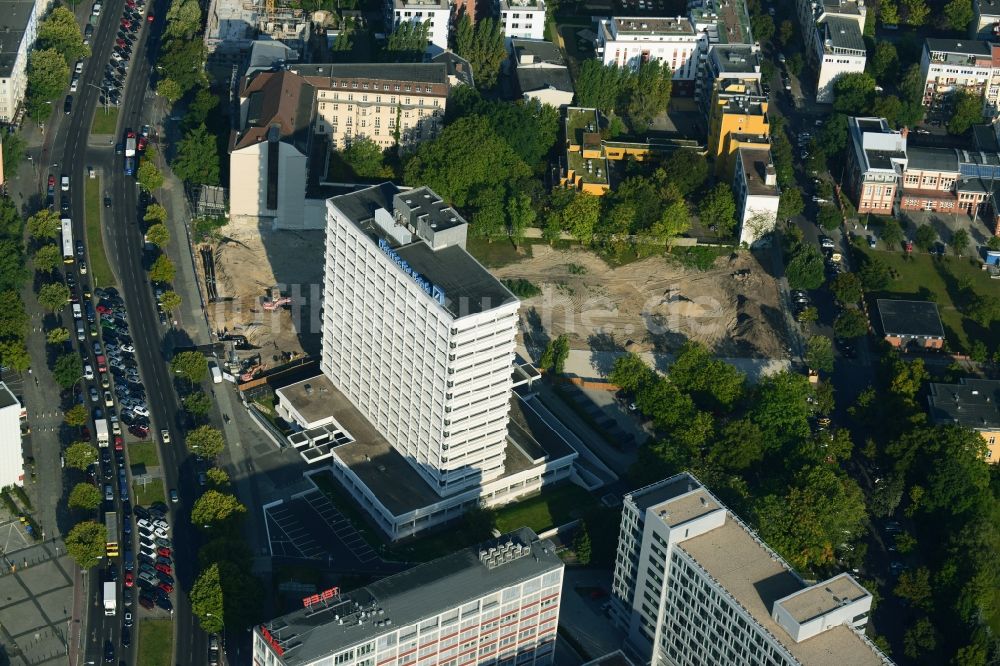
pixel 266 285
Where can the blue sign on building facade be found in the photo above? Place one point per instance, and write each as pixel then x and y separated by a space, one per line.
pixel 432 290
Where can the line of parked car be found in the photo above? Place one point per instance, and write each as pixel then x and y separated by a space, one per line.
pixel 151 567
pixel 116 70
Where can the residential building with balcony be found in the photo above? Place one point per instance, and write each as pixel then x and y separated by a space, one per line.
pixel 20 29
pixel 725 62
pixel 832 31
pixel 496 603
pixel 755 190
pixel 738 117
pixel 382 102
pixel 631 40
pixel 521 19
pixel 986 24
pixel 971 65
pixel 876 159
pixel 436 14
pixel 694 585
pixel 972 403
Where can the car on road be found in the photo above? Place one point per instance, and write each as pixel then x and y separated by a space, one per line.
pixel 163 568
pixel 88 372
pixel 109 652
pixel 146 601
pixel 119 148
pixel 139 431
pixel 109 400
pixel 68 105
pixel 83 268
pixel 871 241
pixel 141 410
pixel 173 495
pixel 129 579
pixel 109 493
pixel 64 183
pixel 166 587
pixel 164 602
pixel 126 637
pixel 826 243
pixel 165 435
pixel 128 619
pixel 94 397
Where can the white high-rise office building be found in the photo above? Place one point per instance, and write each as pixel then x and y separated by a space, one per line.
pixel 11 458
pixel 495 604
pixel 417 334
pixel 694 585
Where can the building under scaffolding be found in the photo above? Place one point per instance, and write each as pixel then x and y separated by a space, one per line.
pixel 233 26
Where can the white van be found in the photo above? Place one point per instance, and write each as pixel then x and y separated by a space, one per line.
pixel 77 312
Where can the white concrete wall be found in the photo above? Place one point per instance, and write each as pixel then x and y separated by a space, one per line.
pixel 248 183
pixel 523 22
pixel 833 65
pixel 628 53
pixel 550 96
pixel 11 460
pixel 763 210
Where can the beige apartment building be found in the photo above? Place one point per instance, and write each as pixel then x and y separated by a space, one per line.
pixel 383 102
pixel 876 158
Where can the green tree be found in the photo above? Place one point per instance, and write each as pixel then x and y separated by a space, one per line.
pixel 156 214
pixel 158 235
pixel 915 587
pixel 915 12
pixel 57 336
pixel 647 93
pixel 714 384
pixel 202 104
pixel 819 353
pixel 217 477
pixel 85 496
pixel 47 258
pixel 15 355
pixel 780 410
pixel 555 355
pixel 191 365
pixel 674 220
pixel 807 522
pixel 967 111
pixel 197 159
pixel 790 203
pixel 958 14
pixel 686 170
pixel 86 543
pixel 182 62
pixel 925 237
pixel 846 288
pixel 54 296
pixel 45 224
pixel 599 86
pixel 60 32
pixel 206 600
pixel 197 403
pixel 170 301
pixel 581 216
pixel 47 77
pixel 466 157
pixel 875 274
pixel 829 217
pixel 785 32
pixel 581 544
pixel 13 154
pixel 892 233
pixel 483 46
pixel 76 416
pixel 850 323
pixel 170 90
pixel 68 369
pixel 407 42
pixel 12 269
pixel 183 20
pixel 162 270
pixel 215 508
pixel 888 12
pixel 984 310
pixel 805 270
pixel 854 93
pixel 960 242
pixel 719 209
pixel 80 455
pixel 762 26
pixel 479 522
pixel 993 243
pixel 364 156
pixel 631 373
pixel 884 63
pixel 206 441
pixel 148 176
pixel 920 639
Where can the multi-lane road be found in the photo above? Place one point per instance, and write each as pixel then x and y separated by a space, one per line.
pixel 123 242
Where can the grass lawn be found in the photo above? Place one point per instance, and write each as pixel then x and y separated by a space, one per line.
pixel 152 492
pixel 105 123
pixel 498 253
pixel 100 269
pixel 922 277
pixel 156 639
pixel 143 453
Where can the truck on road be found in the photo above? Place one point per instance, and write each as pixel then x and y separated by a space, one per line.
pixel 101 427
pixel 130 146
pixel 110 598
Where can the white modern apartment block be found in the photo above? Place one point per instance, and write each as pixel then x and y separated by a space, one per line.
pixel 435 13
pixel 832 30
pixel 19 30
pixel 497 603
pixel 971 65
pixel 11 459
pixel 755 189
pixel 631 40
pixel 417 334
pixel 522 19
pixel 694 585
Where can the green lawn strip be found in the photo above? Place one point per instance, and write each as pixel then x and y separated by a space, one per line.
pixel 151 492
pixel 100 269
pixel 143 453
pixel 156 639
pixel 923 277
pixel 105 123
